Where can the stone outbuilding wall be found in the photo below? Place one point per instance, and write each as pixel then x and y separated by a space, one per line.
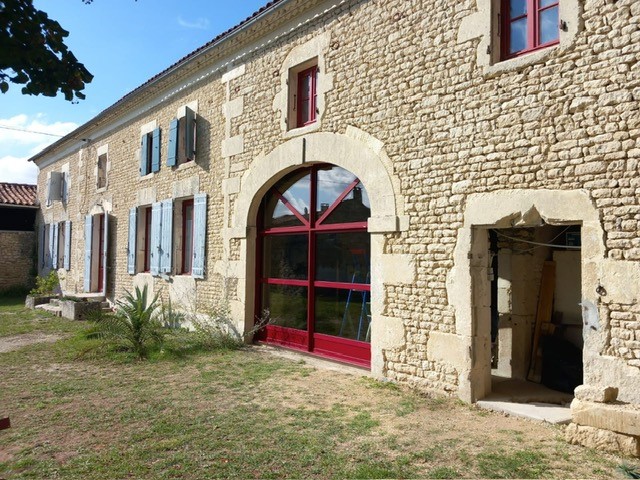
pixel 17 259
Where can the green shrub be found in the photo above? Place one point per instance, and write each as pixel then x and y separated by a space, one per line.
pixel 46 285
pixel 134 326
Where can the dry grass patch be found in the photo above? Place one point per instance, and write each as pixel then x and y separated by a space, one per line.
pixel 248 414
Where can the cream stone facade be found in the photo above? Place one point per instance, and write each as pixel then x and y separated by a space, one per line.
pixel 478 172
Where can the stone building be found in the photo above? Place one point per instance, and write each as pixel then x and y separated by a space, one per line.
pixel 18 207
pixel 445 193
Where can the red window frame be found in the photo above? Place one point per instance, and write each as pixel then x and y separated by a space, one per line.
pixel 187 253
pixel 308 97
pixel 532 16
pixel 343 349
pixel 147 239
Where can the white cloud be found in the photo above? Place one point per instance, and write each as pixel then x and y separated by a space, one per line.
pixel 17 170
pixel 200 23
pixel 23 136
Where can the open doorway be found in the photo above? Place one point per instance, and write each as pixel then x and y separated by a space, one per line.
pixel 536 320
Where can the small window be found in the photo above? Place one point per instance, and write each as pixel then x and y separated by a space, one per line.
pixel 101 181
pixel 303 95
pixel 150 152
pixel 307 95
pixel 529 25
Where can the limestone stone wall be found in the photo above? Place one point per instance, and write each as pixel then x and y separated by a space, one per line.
pixel 448 127
pixel 17 259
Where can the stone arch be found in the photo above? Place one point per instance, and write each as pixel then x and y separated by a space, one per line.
pixel 365 159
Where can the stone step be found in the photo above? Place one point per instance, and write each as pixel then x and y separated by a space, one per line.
pixel 52 309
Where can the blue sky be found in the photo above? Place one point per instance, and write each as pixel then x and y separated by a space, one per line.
pixel 122 43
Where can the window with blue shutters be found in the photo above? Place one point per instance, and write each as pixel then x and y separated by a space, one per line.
pixel 182 139
pixel 150 152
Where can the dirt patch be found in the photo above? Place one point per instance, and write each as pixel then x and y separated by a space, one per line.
pixel 15 342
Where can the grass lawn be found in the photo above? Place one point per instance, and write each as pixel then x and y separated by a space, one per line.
pixel 78 412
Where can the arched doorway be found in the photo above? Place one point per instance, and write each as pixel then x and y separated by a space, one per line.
pixel 313 262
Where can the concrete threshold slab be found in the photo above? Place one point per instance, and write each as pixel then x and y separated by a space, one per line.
pixel 542 412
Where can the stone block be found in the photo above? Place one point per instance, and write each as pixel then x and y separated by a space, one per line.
pixel 605 440
pixel 596 394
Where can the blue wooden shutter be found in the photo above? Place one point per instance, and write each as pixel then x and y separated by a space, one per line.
pixel 144 150
pixel 88 237
pixel 131 248
pixel 67 245
pixel 105 252
pixel 51 245
pixel 156 223
pixel 199 234
pixel 190 134
pixel 172 154
pixel 155 152
pixel 167 236
pixel 54 251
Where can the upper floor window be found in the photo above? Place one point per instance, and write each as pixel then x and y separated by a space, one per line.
pixel 57 187
pixel 150 152
pixel 101 177
pixel 182 139
pixel 529 25
pixel 307 96
pixel 303 94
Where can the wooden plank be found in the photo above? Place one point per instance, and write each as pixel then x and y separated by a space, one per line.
pixel 543 318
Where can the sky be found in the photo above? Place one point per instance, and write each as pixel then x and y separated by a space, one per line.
pixel 123 43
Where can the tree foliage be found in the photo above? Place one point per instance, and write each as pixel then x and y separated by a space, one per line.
pixel 33 53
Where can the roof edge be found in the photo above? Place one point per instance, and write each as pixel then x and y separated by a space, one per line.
pixel 269 9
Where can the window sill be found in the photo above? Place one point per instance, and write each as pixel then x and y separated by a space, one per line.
pixel 186 165
pixel 101 190
pixel 521 61
pixel 147 176
pixel 295 132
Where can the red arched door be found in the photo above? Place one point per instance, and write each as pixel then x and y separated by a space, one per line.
pixel 314 264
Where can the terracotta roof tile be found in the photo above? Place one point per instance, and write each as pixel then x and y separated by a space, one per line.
pixel 18 194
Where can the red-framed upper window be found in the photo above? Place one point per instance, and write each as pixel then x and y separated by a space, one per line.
pixel 529 25
pixel 307 96
pixel 187 237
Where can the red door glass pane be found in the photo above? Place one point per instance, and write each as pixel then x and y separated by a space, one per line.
pixel 287 257
pixel 288 203
pixel 343 257
pixel 287 305
pixel 343 313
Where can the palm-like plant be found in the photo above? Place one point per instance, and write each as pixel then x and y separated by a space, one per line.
pixel 134 325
